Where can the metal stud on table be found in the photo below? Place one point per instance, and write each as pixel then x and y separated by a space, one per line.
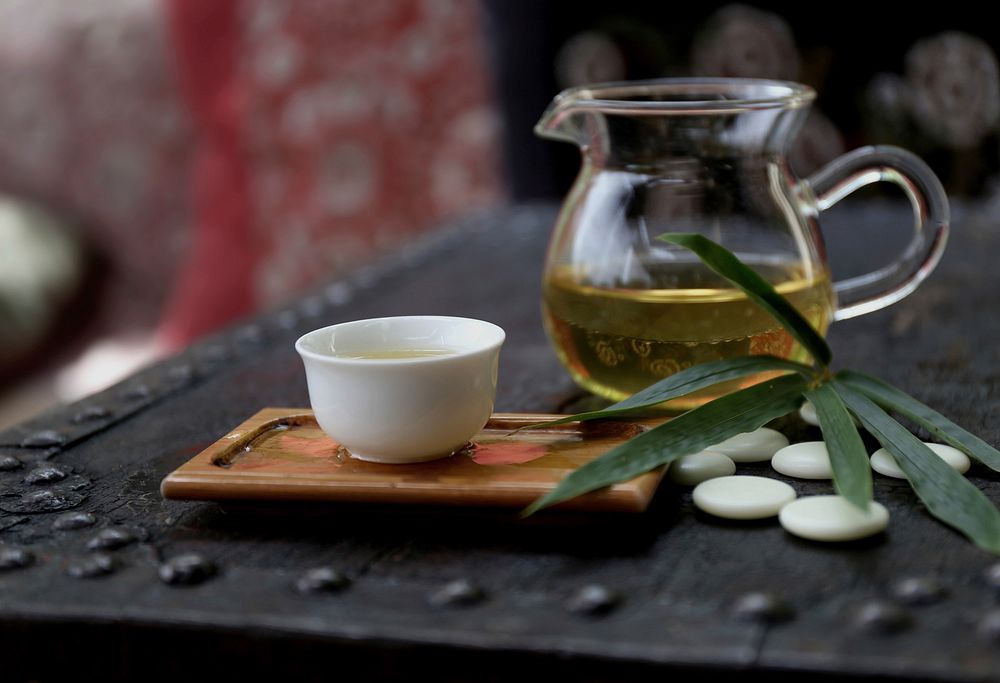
pixel 882 617
pixel 92 566
pixel 919 591
pixel 594 600
pixel 458 593
pixel 187 569
pixel 111 538
pixel 762 607
pixel 91 414
pixel 46 474
pixel 322 580
pixel 45 438
pixel 15 558
pixel 74 520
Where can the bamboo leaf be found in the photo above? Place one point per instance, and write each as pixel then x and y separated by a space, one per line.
pixel 757 288
pixel 852 472
pixel 891 398
pixel 947 494
pixel 687 381
pixel 742 411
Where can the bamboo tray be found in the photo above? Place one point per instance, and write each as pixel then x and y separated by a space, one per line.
pixel 281 454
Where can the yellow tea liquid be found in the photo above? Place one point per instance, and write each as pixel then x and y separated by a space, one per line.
pixel 616 341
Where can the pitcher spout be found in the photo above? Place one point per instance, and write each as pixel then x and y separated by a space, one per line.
pixel 563 120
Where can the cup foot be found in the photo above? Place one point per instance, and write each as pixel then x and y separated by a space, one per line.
pixel 383 460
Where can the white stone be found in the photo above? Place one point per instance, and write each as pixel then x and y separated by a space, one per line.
pixel 743 497
pixel 808 414
pixel 832 518
pixel 806 460
pixel 691 470
pixel 884 463
pixel 756 446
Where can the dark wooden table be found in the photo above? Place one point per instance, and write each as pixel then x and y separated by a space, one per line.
pixel 482 596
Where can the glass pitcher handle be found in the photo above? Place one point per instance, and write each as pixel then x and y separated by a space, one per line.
pixel 864 166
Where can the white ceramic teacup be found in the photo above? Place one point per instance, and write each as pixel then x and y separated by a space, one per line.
pixel 404 389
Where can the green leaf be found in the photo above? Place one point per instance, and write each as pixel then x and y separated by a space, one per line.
pixel 742 411
pixel 687 381
pixel 891 398
pixel 947 494
pixel 757 288
pixel 852 472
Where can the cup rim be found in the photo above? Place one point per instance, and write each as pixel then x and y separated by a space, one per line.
pixel 491 342
pixel 610 96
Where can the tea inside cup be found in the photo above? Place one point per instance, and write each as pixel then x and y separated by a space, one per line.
pixel 402 389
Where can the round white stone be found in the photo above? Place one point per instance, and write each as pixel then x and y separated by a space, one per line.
pixel 756 446
pixel 806 460
pixel 884 463
pixel 808 414
pixel 743 497
pixel 691 470
pixel 832 518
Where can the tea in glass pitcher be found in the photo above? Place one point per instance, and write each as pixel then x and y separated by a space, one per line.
pixel 616 341
pixel 624 310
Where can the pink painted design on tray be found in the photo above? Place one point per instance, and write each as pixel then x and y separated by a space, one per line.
pixel 323 447
pixel 507 453
pixel 293 454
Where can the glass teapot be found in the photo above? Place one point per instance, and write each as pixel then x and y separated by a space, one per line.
pixel 624 309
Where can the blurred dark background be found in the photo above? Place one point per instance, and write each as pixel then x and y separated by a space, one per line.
pixel 926 80
pixel 170 166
